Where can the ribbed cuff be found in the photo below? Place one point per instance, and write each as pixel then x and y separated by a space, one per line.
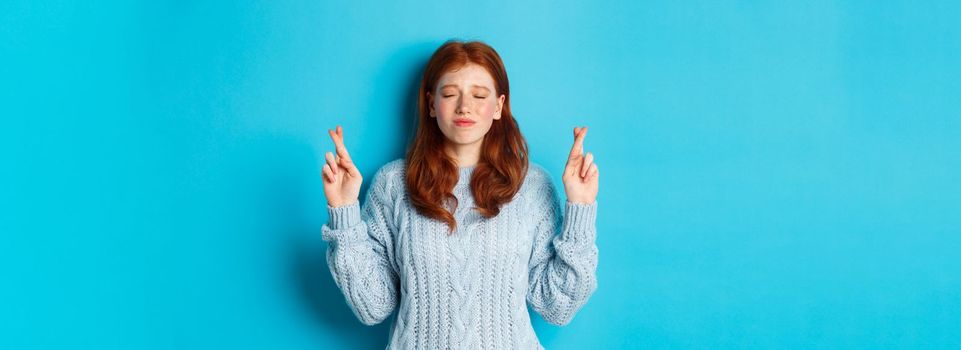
pixel 580 222
pixel 343 216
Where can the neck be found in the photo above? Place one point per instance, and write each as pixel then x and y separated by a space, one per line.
pixel 465 155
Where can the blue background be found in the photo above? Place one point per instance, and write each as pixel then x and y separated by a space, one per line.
pixel 772 175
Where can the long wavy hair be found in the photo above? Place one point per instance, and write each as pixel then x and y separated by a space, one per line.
pixel 432 173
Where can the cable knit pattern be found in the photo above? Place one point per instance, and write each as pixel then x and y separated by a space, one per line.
pixel 468 290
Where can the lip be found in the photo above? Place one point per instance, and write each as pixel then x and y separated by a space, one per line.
pixel 464 122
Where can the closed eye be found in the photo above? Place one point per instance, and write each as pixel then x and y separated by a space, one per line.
pixel 480 96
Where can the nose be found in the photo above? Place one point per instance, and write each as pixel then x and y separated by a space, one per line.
pixel 463 105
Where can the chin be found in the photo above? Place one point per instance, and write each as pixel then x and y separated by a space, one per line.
pixel 459 138
pixel 464 140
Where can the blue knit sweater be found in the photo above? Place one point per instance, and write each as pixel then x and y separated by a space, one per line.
pixel 470 289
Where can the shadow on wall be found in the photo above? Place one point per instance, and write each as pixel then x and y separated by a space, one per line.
pixel 312 276
pixel 289 199
pixel 412 61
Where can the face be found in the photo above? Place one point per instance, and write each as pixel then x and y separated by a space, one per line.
pixel 465 104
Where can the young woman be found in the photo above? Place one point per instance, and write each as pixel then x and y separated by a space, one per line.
pixel 462 233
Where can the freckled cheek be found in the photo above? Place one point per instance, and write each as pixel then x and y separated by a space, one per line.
pixel 445 110
pixel 486 110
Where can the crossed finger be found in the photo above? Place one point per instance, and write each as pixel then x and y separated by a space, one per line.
pixel 578 147
pixel 343 157
pixel 588 163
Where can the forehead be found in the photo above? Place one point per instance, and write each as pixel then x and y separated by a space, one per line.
pixel 470 74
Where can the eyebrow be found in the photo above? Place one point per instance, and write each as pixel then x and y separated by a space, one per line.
pixel 475 85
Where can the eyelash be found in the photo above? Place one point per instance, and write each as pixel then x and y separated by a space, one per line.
pixel 446 96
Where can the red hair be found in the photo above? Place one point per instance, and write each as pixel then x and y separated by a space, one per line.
pixel 431 173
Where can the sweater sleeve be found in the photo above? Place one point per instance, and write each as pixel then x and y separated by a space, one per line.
pixel 360 253
pixel 563 265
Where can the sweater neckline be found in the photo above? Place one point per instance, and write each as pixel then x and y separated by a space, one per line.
pixel 464 173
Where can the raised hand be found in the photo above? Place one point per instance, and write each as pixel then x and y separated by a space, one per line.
pixel 580 174
pixel 341 178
